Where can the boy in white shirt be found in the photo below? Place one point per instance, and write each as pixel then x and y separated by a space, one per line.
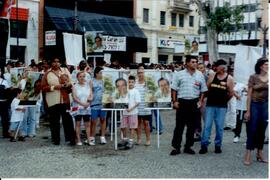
pixel 17 114
pixel 130 116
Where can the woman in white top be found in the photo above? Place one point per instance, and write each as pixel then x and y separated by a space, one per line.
pixel 82 96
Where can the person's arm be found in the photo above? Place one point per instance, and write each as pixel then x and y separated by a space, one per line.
pixel 174 99
pixel 133 107
pixel 76 99
pixel 90 98
pixel 230 83
pixel 210 79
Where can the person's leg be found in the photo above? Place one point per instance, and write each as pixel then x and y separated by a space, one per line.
pixel 208 121
pixel 78 128
pixel 147 130
pixel 219 122
pixel 139 130
pixel 103 127
pixel 160 130
pixel 86 119
pixel 68 124
pixel 4 118
pixel 32 121
pixel 179 128
pixel 54 117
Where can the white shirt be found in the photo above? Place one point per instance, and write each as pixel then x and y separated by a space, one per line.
pixel 16 115
pixel 7 77
pixel 133 98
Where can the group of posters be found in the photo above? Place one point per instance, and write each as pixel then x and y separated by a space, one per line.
pixel 157 84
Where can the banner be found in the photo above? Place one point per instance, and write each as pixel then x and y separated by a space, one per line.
pixel 158 90
pixel 73 48
pixel 112 43
pixel 16 75
pixel 50 38
pixel 31 92
pixel 115 94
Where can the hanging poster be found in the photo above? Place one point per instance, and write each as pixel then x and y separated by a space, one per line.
pixel 16 76
pixel 113 43
pixel 192 45
pixel 31 92
pixel 158 90
pixel 115 96
pixel 94 42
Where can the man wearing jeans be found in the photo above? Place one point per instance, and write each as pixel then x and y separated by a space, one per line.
pixel 220 90
pixel 188 89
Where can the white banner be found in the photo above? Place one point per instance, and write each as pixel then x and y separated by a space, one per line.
pixel 50 38
pixel 112 43
pixel 73 48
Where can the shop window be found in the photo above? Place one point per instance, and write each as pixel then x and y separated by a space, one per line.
pixel 22 29
pixel 17 53
pixel 162 59
pixel 177 59
pixel 145 60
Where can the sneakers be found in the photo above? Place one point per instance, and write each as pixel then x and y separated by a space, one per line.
pixel 236 139
pixel 218 150
pixel 203 150
pixel 103 140
pixel 79 143
pixel 122 144
pixel 189 151
pixel 92 141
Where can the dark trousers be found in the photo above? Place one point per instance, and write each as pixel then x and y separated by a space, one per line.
pixel 4 117
pixel 239 122
pixel 187 114
pixel 55 112
pixel 257 125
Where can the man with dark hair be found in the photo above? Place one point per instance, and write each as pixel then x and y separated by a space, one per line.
pixel 220 85
pixel 187 95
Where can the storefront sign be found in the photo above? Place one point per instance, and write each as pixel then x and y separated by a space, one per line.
pixel 50 38
pixel 169 43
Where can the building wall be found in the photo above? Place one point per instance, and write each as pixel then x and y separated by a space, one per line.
pixel 250 19
pixel 154 31
pixel 31 41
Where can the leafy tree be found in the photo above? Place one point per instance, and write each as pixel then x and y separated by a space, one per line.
pixel 218 20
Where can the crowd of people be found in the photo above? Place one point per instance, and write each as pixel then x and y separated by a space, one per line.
pixel 200 95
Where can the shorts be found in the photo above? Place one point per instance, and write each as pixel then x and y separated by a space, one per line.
pixel 145 117
pixel 95 113
pixel 86 118
pixel 129 121
pixel 14 125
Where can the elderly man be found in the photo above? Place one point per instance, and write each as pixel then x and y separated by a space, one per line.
pixel 188 89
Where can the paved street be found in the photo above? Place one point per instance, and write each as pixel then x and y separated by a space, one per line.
pixel 41 159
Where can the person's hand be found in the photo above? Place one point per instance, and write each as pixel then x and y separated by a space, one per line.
pixel 247 115
pixel 57 87
pixel 199 104
pixel 129 110
pixel 176 105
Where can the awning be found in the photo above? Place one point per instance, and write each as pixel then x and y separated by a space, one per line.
pixel 63 19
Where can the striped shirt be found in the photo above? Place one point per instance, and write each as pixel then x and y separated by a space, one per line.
pixel 141 108
pixel 189 86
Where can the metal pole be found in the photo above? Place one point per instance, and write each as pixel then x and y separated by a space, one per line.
pixel 76 16
pixel 265 29
pixel 17 22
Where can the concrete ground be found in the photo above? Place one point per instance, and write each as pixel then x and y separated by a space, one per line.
pixel 39 158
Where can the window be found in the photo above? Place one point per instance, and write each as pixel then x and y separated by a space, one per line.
pixel 162 59
pixel 145 60
pixel 191 21
pixel 177 59
pixel 22 32
pixel 162 18
pixel 181 20
pixel 173 19
pixel 20 55
pixel 145 15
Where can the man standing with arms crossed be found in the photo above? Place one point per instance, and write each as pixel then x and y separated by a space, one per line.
pixel 187 94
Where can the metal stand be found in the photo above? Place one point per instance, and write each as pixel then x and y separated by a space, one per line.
pixel 158 142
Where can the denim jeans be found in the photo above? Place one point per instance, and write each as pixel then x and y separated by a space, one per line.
pixel 29 122
pixel 160 121
pixel 216 114
pixel 257 125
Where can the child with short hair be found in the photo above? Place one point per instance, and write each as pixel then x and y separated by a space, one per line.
pixel 17 114
pixel 130 116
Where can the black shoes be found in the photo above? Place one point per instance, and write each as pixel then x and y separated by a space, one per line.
pixel 189 151
pixel 218 150
pixel 21 138
pixel 227 128
pixel 12 139
pixel 175 152
pixel 203 150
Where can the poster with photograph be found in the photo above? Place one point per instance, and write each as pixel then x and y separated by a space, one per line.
pixel 16 75
pixel 31 92
pixel 94 42
pixel 158 90
pixel 192 45
pixel 115 96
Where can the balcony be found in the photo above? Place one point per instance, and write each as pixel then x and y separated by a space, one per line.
pixel 179 6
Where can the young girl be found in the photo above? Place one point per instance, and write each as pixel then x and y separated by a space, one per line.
pixel 17 114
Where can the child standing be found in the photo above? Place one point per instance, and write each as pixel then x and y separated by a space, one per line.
pixel 130 116
pixel 17 114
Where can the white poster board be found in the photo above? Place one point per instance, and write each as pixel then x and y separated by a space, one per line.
pixel 50 38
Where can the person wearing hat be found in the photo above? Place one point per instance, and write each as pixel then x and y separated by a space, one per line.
pixel 220 90
pixel 257 111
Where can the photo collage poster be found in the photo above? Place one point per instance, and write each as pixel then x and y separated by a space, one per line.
pixel 115 95
pixel 31 92
pixel 158 90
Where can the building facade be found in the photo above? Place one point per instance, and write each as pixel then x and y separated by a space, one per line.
pixel 167 24
pixel 250 32
pixel 26 48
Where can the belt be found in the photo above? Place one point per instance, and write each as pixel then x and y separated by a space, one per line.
pixel 188 100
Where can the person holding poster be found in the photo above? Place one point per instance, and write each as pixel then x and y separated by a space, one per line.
pixel 54 84
pixel 96 107
pixel 144 115
pixel 187 94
